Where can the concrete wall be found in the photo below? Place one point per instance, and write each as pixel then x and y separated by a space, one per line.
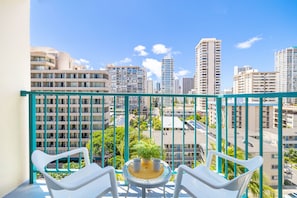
pixel 14 76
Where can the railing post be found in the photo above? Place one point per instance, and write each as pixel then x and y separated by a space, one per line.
pixel 103 133
pixel 32 134
pixel 206 125
pixel 235 134
pixel 126 137
pixel 261 145
pixel 280 147
pixel 219 131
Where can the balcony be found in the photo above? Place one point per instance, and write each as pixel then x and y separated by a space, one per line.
pixel 180 142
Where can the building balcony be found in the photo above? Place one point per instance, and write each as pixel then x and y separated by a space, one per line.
pixel 181 144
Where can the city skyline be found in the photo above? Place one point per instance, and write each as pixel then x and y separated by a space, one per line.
pixel 142 33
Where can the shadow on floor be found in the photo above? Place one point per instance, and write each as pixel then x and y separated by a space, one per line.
pixel 39 190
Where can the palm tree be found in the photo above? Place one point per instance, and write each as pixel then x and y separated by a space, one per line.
pixel 109 145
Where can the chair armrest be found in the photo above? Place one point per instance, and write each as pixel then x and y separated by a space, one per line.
pixel 223 156
pixel 97 172
pixel 75 151
pixel 193 173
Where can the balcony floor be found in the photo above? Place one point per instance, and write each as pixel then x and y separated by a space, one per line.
pixel 39 190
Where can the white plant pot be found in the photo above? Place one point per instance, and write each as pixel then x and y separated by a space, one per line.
pixel 156 164
pixel 136 164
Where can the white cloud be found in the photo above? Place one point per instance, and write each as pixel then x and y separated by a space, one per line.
pixel 248 43
pixel 123 61
pixel 140 49
pixel 153 67
pixel 160 49
pixel 81 61
pixel 181 74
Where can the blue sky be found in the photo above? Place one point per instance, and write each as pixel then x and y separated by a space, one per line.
pixel 142 32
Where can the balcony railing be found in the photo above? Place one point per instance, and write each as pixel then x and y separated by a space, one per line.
pixel 61 121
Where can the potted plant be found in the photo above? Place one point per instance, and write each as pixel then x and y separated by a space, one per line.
pixel 147 150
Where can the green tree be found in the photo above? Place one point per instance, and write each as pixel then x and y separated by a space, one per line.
pixel 109 145
pixel 290 156
pixel 156 123
pixel 65 172
pixel 203 119
pixel 198 117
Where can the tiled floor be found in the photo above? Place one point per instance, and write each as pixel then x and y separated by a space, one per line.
pixel 39 190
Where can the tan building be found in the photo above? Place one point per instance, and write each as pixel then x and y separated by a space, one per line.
pixel 253 115
pixel 270 156
pixel 177 146
pixel 52 70
pixel 248 80
pixel 208 69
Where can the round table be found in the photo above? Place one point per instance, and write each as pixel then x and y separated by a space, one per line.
pixel 160 180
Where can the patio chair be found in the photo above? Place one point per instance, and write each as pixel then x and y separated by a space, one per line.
pixel 89 181
pixel 203 182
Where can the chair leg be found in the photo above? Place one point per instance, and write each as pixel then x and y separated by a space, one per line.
pixel 176 193
pixel 127 191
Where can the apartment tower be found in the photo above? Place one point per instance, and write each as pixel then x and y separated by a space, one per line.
pixel 167 84
pixel 285 62
pixel 208 69
pixel 127 79
pixel 188 85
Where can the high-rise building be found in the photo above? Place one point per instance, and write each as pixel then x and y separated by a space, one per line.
pixel 127 79
pixel 249 80
pixel 167 84
pixel 188 85
pixel 150 86
pixel 208 69
pixel 177 88
pixel 52 70
pixel 286 64
pixel 158 87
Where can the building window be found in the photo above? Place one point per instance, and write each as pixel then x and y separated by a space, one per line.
pixel 274 166
pixel 274 177
pixel 274 156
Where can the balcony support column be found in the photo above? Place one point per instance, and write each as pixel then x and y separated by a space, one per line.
pixel 280 146
pixel 32 134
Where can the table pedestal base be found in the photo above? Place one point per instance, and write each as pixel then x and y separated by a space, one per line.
pixel 143 191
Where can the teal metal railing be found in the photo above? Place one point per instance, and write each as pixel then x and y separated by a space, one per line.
pixel 97 111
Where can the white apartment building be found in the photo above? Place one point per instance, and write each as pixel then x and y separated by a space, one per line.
pixel 150 86
pixel 248 80
pixel 127 79
pixel 289 117
pixel 285 61
pixel 208 69
pixel 52 70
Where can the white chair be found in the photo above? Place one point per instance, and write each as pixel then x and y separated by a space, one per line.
pixel 90 181
pixel 203 182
